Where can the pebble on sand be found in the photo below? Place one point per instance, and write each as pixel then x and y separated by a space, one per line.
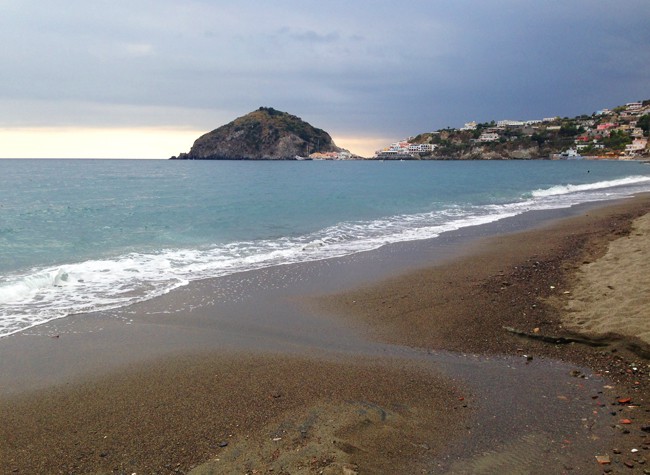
pixel 603 459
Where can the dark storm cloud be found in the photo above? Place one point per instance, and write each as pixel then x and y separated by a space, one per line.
pixel 365 67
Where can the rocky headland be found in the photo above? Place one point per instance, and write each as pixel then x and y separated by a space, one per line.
pixel 264 134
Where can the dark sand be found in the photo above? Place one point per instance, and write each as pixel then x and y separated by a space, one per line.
pixel 412 374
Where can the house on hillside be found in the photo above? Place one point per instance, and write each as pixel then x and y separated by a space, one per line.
pixel 421 147
pixel 636 133
pixel 637 147
pixel 488 137
pixel 510 123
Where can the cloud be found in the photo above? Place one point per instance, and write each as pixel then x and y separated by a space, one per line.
pixel 137 50
pixel 70 114
pixel 309 36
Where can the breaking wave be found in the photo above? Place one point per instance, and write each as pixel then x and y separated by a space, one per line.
pixel 44 294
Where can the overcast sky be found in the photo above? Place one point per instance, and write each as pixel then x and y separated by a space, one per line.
pixel 143 78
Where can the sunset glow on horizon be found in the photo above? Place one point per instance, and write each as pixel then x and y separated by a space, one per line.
pixel 127 143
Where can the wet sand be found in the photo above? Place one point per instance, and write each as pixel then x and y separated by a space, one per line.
pixel 450 368
pixel 516 294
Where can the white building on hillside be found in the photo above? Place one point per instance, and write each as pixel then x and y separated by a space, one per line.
pixel 636 147
pixel 488 137
pixel 510 123
pixel 421 147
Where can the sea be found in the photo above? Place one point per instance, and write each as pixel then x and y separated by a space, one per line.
pixel 80 236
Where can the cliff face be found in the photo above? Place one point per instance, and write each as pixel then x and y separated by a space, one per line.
pixel 265 134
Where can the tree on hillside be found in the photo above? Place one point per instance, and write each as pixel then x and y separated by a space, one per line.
pixel 540 138
pixel 617 140
pixel 569 129
pixel 644 124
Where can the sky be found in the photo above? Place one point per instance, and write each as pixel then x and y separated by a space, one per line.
pixel 145 78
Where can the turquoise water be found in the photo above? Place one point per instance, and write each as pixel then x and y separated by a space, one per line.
pixel 83 235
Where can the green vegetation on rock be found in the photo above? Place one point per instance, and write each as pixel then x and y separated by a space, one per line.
pixel 264 134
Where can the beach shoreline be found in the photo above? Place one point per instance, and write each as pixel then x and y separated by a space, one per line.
pixel 303 361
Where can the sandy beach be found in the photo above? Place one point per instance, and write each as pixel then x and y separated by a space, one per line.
pixel 524 353
pixel 606 300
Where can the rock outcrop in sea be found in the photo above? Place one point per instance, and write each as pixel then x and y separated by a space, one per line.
pixel 264 134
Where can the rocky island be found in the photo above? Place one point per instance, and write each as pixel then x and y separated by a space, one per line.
pixel 264 134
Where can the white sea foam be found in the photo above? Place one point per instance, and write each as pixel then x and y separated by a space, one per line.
pixel 601 185
pixel 41 295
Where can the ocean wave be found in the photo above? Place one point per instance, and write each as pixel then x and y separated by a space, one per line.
pixel 569 188
pixel 45 294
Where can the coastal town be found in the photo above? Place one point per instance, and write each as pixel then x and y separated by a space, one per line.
pixel 620 133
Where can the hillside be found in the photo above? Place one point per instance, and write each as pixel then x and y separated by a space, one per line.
pixel 264 134
pixel 620 133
